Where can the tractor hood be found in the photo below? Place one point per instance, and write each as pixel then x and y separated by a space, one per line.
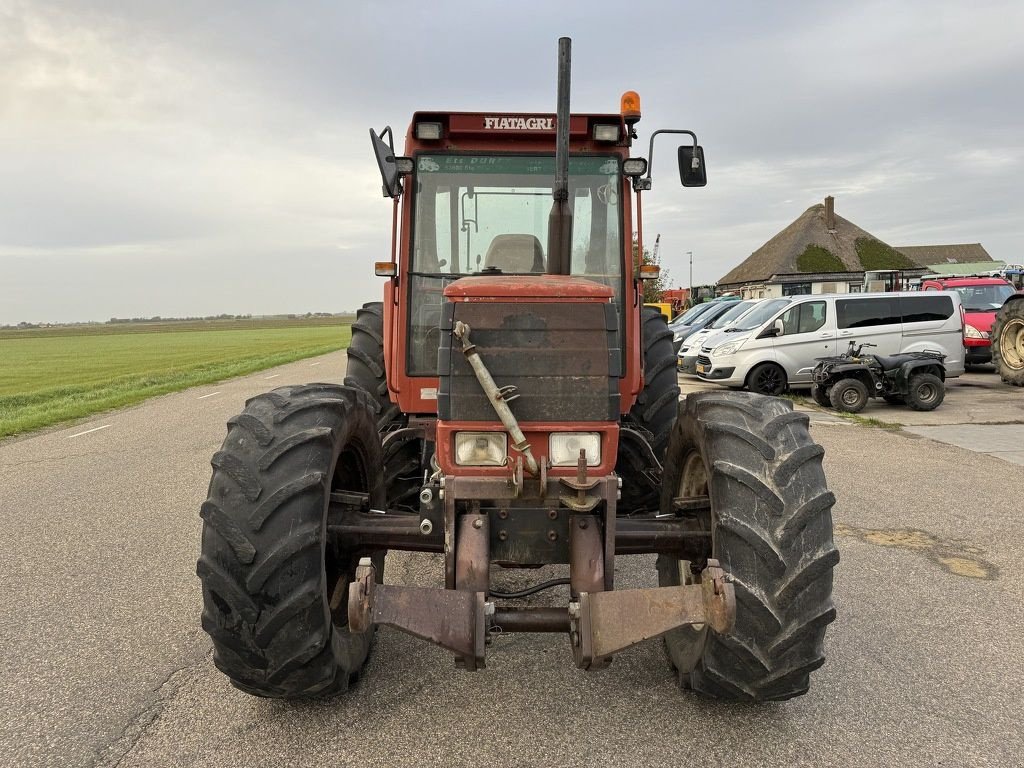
pixel 527 287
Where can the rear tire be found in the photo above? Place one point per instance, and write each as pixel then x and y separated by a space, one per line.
pixel 767 379
pixel 925 392
pixel 403 470
pixel 849 395
pixel 771 529
pixel 650 419
pixel 365 368
pixel 1008 343
pixel 270 569
pixel 403 464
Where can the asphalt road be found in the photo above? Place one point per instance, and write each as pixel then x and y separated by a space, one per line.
pixel 103 661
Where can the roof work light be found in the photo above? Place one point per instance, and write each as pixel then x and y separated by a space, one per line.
pixel 428 131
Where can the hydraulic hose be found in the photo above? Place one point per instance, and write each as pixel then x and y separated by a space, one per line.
pixel 495 397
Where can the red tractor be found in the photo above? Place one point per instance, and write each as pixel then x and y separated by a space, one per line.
pixel 512 404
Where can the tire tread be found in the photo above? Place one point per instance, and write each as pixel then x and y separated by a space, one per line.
pixel 773 534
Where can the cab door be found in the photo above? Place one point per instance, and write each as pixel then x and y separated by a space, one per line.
pixel 807 332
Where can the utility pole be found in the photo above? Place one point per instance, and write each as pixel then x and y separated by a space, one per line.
pixel 690 254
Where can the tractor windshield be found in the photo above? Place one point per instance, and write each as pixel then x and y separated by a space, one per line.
pixel 490 212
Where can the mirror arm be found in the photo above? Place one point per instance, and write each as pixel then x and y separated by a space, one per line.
pixel 643 183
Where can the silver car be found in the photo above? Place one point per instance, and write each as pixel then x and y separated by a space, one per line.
pixel 686 359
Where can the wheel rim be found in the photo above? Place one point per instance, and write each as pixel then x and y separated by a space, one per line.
pixel 769 380
pixel 1011 344
pixel 350 474
pixel 851 396
pixel 925 392
pixel 693 484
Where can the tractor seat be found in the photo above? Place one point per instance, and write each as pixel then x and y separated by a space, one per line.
pixel 515 254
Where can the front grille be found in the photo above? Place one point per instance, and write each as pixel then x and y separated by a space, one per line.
pixel 704 360
pixel 563 360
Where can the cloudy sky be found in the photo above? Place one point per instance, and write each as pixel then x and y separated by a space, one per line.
pixel 189 158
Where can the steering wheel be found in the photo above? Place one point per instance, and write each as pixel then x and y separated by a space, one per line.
pixel 607 194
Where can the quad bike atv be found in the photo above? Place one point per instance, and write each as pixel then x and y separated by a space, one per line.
pixel 512 404
pixel 847 381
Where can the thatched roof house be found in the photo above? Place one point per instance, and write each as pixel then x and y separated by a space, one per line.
pixel 820 247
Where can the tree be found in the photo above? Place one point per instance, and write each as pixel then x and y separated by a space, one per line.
pixel 652 288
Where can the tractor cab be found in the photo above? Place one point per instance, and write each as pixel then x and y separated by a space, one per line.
pixel 473 195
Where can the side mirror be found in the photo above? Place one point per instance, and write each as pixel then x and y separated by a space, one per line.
pixel 692 172
pixel 386 162
pixel 773 330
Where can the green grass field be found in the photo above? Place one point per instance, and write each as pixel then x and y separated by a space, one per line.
pixel 47 377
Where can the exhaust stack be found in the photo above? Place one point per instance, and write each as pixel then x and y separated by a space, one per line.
pixel 560 218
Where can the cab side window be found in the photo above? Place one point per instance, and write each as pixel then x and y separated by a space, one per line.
pixel 803 318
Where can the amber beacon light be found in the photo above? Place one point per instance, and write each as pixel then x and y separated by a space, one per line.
pixel 630 107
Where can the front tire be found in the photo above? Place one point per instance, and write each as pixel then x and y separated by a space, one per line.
pixel 820 395
pixel 849 395
pixel 271 572
pixel 767 379
pixel 770 526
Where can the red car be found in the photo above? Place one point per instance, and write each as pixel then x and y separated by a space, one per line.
pixel 981 297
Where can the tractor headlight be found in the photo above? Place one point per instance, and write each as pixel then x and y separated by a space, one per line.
pixel 564 448
pixel 481 449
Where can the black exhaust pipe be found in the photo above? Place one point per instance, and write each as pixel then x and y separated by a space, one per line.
pixel 560 218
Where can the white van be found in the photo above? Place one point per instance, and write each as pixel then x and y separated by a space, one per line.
pixel 777 344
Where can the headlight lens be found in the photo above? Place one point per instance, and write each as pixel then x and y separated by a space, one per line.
pixel 481 449
pixel 564 448
pixel 729 348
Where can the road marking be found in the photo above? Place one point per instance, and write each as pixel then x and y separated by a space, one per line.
pixel 94 429
pixel 203 397
pixel 312 364
pixel 272 377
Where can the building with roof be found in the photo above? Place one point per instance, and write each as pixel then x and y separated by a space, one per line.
pixel 820 252
pixel 962 259
pixel 960 253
